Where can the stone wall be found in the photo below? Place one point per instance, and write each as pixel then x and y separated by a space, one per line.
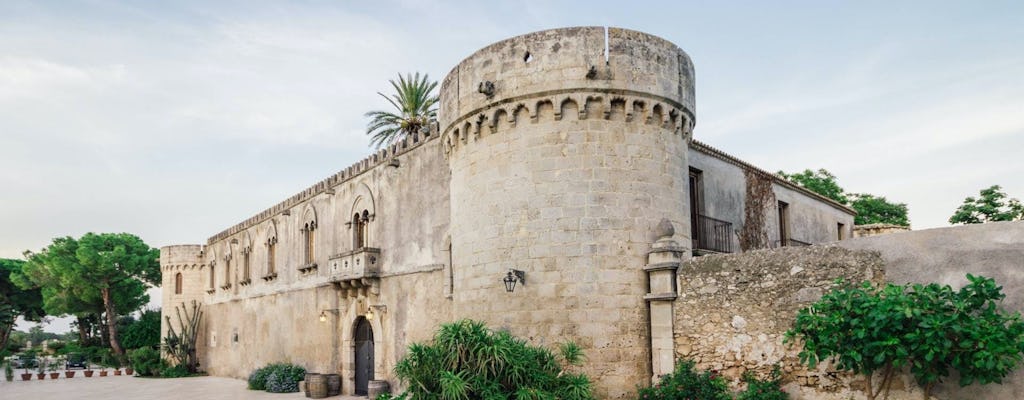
pixel 877 229
pixel 733 310
pixel 945 256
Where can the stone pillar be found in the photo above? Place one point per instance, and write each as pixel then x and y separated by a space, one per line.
pixel 662 262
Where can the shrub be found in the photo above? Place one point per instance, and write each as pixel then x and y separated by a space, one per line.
pixel 258 378
pixel 931 329
pixel 284 378
pixel 177 371
pixel 468 361
pixel 688 383
pixel 767 389
pixel 145 361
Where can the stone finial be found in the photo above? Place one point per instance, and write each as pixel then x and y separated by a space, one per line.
pixel 665 229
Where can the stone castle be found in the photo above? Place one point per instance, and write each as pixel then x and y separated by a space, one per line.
pixel 563 162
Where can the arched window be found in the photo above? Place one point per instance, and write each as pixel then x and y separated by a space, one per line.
pixel 177 283
pixel 213 275
pixel 309 233
pixel 271 255
pixel 245 265
pixel 358 232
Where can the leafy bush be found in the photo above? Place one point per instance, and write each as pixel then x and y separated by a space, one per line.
pixel 468 361
pixel 144 332
pixel 931 329
pixel 145 361
pixel 284 378
pixel 767 389
pixel 688 383
pixel 258 378
pixel 177 371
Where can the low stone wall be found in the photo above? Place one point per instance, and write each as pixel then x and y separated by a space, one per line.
pixel 734 309
pixel 946 256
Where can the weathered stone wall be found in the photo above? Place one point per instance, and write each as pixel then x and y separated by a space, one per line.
pixel 186 260
pixel 946 256
pixel 733 310
pixel 271 316
pixel 563 172
pixel 877 229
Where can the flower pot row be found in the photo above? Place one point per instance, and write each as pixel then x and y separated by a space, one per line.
pixel 71 374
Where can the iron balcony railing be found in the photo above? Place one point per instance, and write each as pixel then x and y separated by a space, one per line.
pixel 712 234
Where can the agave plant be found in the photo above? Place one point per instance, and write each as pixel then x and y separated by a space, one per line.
pixel 414 103
pixel 466 360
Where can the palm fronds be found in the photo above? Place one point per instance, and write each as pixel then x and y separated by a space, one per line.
pixel 415 104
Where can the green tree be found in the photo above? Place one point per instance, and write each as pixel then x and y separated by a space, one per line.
pixel 15 301
pixel 821 182
pixel 930 329
pixel 870 209
pixel 991 205
pixel 112 267
pixel 873 209
pixel 414 104
pixel 143 332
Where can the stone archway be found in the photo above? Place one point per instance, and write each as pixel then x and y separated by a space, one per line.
pixel 363 337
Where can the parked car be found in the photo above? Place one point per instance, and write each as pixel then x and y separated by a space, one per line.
pixel 24 362
pixel 75 360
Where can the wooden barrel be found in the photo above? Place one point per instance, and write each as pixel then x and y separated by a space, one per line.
pixel 333 384
pixel 304 386
pixel 317 385
pixel 377 388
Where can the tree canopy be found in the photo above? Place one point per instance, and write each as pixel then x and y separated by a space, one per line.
pixel 16 301
pixel 108 270
pixel 991 205
pixel 870 209
pixel 415 104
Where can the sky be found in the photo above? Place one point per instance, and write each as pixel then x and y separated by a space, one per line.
pixel 176 121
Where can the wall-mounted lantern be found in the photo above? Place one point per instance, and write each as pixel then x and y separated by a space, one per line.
pixel 383 309
pixel 323 314
pixel 511 278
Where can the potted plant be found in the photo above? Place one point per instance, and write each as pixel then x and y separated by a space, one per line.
pixel 42 368
pixel 54 366
pixel 88 369
pixel 103 371
pixel 25 375
pixel 8 371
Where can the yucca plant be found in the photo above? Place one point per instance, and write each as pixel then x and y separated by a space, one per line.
pixel 414 103
pixel 466 360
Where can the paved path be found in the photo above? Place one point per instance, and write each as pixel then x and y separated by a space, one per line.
pixel 126 387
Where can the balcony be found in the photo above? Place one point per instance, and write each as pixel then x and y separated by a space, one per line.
pixel 711 235
pixel 356 264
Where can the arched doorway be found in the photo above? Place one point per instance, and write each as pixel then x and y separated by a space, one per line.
pixel 364 355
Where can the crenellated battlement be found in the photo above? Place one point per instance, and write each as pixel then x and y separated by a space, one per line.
pixel 382 156
pixel 571 104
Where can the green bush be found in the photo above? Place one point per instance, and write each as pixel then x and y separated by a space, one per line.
pixel 468 361
pixel 177 371
pixel 284 378
pixel 258 378
pixel 687 383
pixel 930 329
pixel 145 361
pixel 767 389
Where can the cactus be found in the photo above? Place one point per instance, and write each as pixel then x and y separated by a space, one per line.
pixel 180 344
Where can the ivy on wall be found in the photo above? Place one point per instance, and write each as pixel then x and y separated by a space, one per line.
pixel 759 199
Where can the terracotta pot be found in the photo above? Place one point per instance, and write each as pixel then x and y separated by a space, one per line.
pixel 129 371
pixel 54 375
pixel 26 377
pixel 88 373
pixel 69 374
pixel 41 376
pixel 117 372
pixel 103 373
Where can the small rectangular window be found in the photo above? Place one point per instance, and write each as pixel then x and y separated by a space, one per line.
pixel 841 229
pixel 784 224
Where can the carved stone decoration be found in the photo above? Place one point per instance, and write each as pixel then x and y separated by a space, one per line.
pixel 665 229
pixel 486 87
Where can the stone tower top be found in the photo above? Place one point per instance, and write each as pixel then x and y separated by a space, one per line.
pixel 609 60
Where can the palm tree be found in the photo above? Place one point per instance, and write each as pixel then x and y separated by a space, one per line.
pixel 415 103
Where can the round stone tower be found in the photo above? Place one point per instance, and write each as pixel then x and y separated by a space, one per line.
pixel 567 147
